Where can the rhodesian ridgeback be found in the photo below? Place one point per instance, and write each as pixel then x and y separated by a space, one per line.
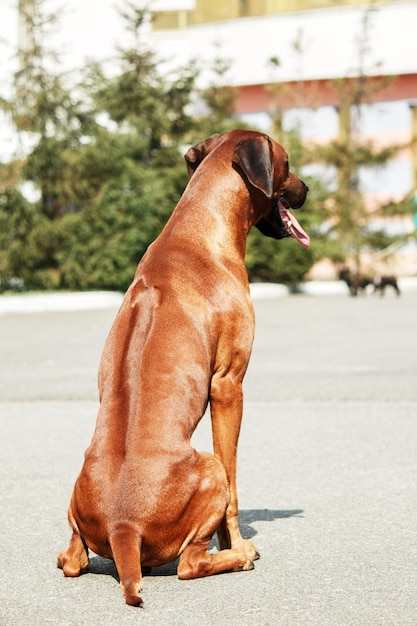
pixel 181 340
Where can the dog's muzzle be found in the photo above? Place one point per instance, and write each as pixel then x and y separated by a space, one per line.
pixel 280 222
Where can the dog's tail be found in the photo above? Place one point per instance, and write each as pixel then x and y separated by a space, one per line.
pixel 126 545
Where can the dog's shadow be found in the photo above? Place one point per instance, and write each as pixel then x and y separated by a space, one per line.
pixel 98 565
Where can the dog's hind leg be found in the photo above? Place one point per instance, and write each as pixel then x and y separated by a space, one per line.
pixel 211 498
pixel 74 560
pixel 126 545
pixel 197 562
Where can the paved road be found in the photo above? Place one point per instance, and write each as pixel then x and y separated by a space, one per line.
pixel 327 472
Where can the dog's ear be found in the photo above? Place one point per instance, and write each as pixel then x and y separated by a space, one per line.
pixel 193 157
pixel 254 157
pixel 197 153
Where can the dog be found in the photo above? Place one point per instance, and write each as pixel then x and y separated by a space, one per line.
pixel 180 341
pixel 381 281
pixel 358 282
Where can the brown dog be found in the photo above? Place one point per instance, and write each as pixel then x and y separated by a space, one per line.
pixel 182 339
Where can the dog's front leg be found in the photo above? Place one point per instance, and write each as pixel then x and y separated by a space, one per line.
pixel 226 404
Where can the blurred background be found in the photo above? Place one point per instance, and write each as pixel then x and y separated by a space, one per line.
pixel 99 101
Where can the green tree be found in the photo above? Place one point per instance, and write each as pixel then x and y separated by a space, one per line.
pixel 218 102
pixel 106 164
pixel 350 218
pixel 101 244
pixel 140 101
pixel 45 111
pixel 286 261
pixel 17 219
pixel 51 123
pixel 337 216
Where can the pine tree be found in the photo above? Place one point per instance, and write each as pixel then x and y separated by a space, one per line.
pixel 350 219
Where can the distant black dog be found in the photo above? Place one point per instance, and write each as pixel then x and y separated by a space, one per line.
pixel 358 282
pixel 381 281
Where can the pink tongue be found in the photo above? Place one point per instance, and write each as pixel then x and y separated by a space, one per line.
pixel 293 226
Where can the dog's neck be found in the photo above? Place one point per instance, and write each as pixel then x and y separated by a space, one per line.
pixel 225 213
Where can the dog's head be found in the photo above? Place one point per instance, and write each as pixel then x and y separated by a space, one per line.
pixel 263 163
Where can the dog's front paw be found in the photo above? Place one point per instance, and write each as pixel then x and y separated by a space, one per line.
pixel 246 567
pixel 250 551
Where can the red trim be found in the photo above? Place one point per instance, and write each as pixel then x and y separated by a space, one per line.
pixel 314 93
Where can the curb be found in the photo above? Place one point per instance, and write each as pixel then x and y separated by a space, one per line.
pixel 54 302
pixel 91 300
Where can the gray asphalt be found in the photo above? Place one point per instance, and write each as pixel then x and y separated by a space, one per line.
pixel 327 471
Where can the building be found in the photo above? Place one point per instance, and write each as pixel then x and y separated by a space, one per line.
pixel 304 45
